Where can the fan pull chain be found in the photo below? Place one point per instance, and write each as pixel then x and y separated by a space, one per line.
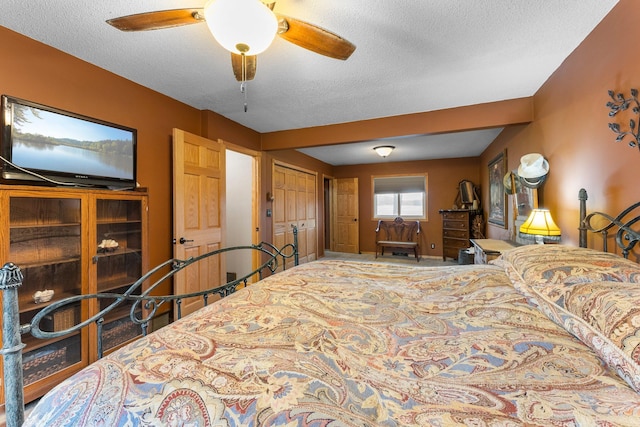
pixel 243 84
pixel 243 89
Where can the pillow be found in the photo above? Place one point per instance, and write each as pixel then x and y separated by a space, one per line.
pixel 548 264
pixel 604 315
pixel 594 295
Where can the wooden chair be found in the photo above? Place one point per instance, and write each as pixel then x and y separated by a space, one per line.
pixel 399 235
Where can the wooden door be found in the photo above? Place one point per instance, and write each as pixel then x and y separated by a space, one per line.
pixel 307 225
pixel 346 219
pixel 295 204
pixel 198 212
pixel 279 211
pixel 305 199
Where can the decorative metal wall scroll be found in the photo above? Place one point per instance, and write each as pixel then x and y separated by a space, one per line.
pixel 621 103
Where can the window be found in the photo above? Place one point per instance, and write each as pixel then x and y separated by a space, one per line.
pixel 404 196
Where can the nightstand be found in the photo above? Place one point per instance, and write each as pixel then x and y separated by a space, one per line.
pixel 487 249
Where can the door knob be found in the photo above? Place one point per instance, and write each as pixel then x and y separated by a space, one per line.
pixel 183 240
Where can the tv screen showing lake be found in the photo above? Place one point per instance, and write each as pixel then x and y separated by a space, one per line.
pixel 62 158
pixel 51 141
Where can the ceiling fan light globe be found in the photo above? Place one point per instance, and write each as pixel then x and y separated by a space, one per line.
pixel 241 24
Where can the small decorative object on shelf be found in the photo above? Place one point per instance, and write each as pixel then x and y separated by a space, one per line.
pixel 620 103
pixel 109 245
pixel 43 296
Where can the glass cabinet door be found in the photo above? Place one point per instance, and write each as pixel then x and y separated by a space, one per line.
pixel 119 260
pixel 46 243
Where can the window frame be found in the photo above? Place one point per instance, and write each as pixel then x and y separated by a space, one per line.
pixel 424 217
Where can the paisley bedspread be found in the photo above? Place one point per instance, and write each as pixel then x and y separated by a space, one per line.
pixel 338 343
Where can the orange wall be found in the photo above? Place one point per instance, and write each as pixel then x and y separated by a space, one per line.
pixel 39 73
pixel 215 127
pixel 443 179
pixel 570 126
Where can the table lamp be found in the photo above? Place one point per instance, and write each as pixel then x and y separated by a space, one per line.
pixel 540 227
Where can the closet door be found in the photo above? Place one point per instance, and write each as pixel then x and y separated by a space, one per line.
pixel 295 204
pixel 307 214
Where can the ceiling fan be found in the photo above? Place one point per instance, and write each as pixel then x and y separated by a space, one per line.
pixel 243 27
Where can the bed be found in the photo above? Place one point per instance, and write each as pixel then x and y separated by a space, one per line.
pixel 547 335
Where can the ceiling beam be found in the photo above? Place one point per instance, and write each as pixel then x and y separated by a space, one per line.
pixel 472 117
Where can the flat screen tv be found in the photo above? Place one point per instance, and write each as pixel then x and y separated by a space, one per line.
pixel 45 145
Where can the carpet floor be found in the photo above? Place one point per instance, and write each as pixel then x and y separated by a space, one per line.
pixel 392 259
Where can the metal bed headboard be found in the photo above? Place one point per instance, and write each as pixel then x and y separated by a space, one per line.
pixel 11 280
pixel 625 236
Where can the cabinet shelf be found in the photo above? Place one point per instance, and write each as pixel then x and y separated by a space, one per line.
pixel 122 312
pixel 44 263
pixel 26 301
pixel 118 251
pixel 44 226
pixel 124 221
pixel 113 284
pixel 52 234
pixel 33 344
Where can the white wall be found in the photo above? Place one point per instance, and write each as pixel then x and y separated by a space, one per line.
pixel 239 207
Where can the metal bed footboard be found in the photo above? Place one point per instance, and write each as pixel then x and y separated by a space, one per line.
pixel 11 280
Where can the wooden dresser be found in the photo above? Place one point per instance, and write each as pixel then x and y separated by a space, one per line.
pixel 456 231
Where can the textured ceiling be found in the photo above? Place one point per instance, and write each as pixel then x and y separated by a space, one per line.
pixel 412 56
pixel 415 147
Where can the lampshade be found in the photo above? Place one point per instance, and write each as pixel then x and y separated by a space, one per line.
pixel 540 225
pixel 384 150
pixel 241 26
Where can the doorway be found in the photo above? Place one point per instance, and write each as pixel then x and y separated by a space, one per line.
pixel 328 209
pixel 345 219
pixel 341 213
pixel 241 211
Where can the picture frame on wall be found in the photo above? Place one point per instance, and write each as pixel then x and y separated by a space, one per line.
pixel 497 195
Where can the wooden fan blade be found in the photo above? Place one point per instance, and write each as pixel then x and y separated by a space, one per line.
pixel 314 38
pixel 251 63
pixel 158 19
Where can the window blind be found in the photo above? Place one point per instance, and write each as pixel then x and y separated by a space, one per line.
pixel 399 184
